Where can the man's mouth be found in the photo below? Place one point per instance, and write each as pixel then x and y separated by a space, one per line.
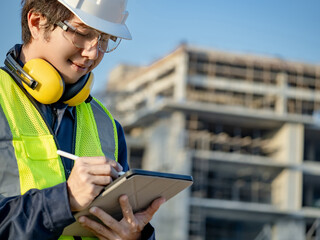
pixel 80 66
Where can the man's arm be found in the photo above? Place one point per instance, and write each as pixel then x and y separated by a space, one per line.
pixel 38 214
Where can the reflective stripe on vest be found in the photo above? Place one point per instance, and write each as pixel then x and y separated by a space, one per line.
pixel 29 148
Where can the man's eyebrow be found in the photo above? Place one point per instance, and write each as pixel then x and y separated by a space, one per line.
pixel 81 24
pixel 77 24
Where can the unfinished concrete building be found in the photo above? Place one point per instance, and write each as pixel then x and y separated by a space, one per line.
pixel 247 128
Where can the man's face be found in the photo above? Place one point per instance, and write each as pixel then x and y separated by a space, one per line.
pixel 71 62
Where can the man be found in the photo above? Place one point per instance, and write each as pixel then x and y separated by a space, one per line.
pixel 42 112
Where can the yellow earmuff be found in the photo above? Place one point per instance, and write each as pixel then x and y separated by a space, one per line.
pixel 50 85
pixel 44 83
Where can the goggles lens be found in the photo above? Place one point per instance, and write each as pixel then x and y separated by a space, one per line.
pixel 88 38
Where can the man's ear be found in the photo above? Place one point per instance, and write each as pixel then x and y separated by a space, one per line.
pixel 35 22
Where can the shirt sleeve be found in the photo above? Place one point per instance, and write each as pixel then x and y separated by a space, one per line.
pixel 148 233
pixel 38 214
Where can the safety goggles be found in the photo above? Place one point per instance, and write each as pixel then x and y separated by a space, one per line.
pixel 87 38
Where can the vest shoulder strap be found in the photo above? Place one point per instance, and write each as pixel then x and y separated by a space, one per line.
pixel 95 118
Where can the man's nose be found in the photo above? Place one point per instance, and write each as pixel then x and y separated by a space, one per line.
pixel 91 51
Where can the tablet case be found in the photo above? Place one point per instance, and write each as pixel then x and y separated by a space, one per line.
pixel 141 187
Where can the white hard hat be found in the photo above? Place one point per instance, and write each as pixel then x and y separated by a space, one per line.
pixel 107 16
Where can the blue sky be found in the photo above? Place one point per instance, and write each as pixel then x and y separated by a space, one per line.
pixel 288 29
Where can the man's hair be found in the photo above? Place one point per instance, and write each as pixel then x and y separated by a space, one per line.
pixel 52 10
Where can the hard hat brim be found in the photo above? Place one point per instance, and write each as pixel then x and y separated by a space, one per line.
pixel 114 29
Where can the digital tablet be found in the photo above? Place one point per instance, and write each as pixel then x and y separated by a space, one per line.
pixel 141 187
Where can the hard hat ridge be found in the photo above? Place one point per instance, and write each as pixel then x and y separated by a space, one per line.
pixel 107 16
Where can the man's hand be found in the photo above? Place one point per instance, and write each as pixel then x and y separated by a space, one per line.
pixel 87 179
pixel 129 228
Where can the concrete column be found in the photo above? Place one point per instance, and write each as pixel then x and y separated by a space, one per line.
pixel 281 103
pixel 287 187
pixel 166 152
pixel 286 190
pixel 289 229
pixel 181 77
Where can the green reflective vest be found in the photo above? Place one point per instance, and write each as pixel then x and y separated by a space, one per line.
pixel 29 147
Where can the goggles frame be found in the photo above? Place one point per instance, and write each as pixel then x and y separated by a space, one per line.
pixel 88 40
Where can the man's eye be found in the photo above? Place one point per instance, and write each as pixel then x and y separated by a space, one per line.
pixel 105 42
pixel 83 34
pixel 104 39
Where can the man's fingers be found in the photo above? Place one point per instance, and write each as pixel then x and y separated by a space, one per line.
pixel 95 227
pixel 102 170
pixel 102 180
pixel 108 221
pixel 100 161
pixel 93 160
pixel 151 210
pixel 131 224
pixel 98 166
pixel 126 209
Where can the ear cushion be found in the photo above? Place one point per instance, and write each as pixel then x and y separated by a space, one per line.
pixel 50 85
pixel 78 92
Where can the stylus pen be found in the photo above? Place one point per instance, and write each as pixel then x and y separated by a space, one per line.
pixel 74 157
